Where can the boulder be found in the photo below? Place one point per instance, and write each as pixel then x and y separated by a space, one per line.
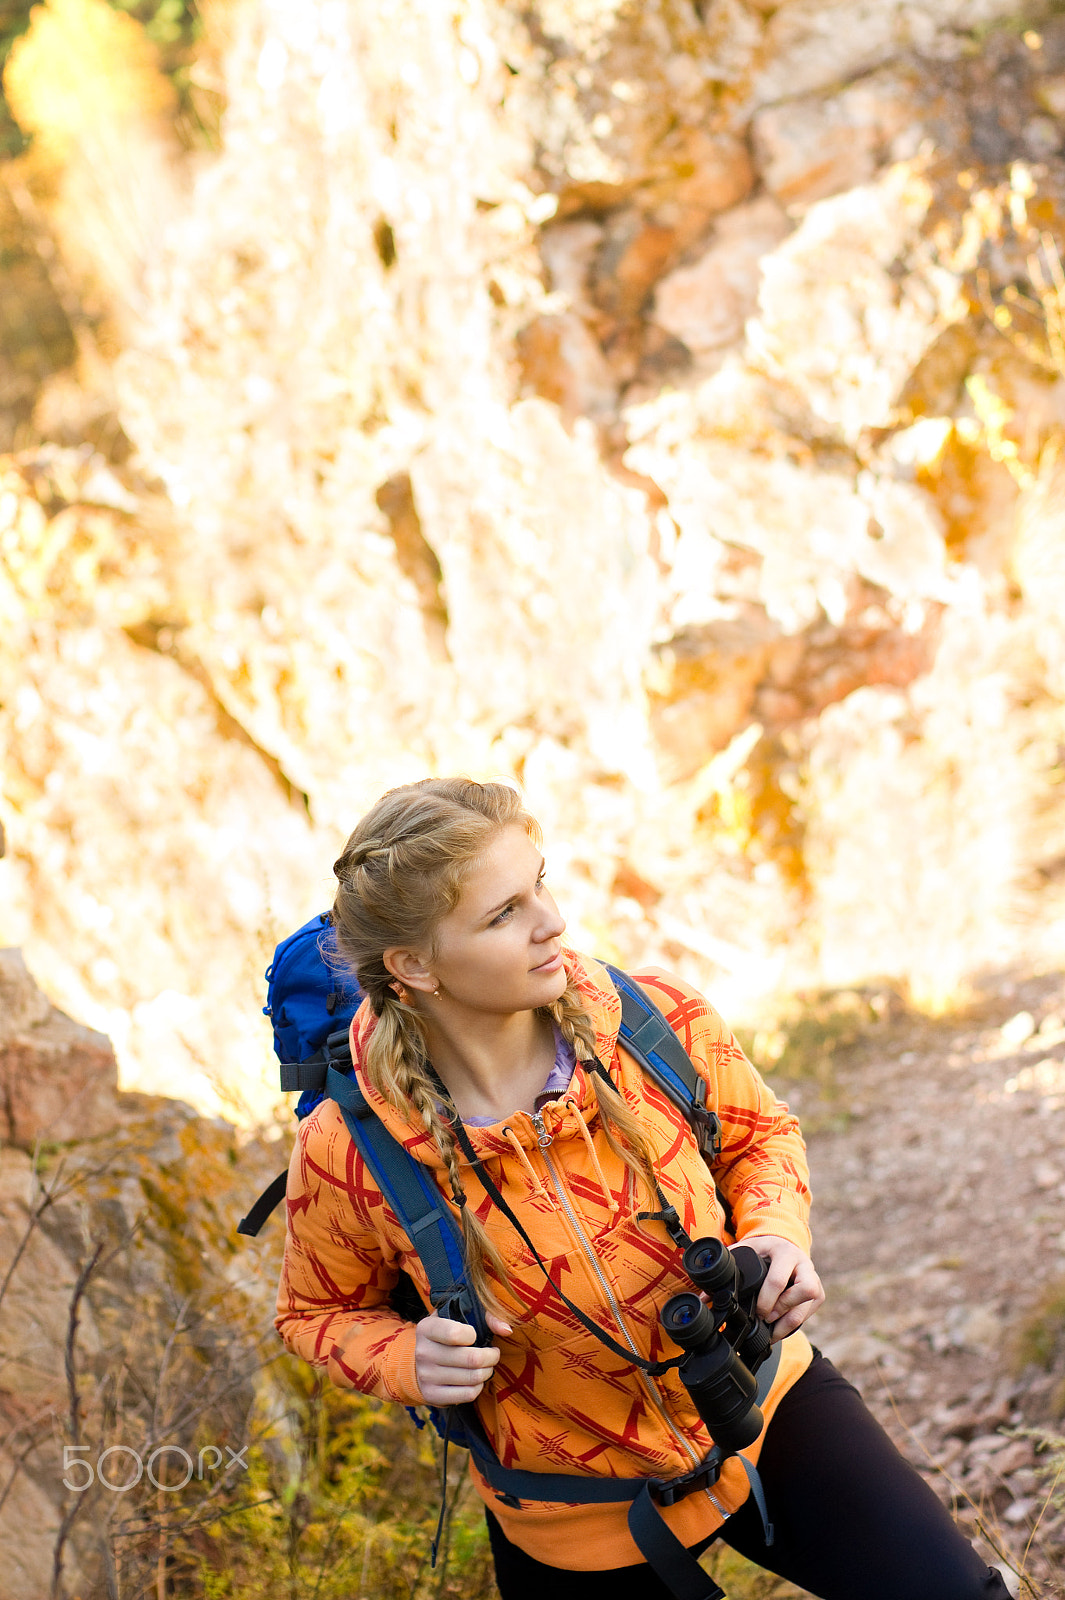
pixel 58 1079
pixel 568 250
pixel 31 1526
pixel 847 308
pixel 812 44
pixel 819 145
pixel 709 682
pixel 705 174
pixel 707 303
pixel 562 361
pixel 702 686
pixel 634 255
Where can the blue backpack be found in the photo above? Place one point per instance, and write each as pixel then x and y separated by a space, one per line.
pixel 311 1003
pixel 308 997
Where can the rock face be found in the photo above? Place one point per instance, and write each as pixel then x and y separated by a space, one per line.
pixel 706 304
pixel 658 405
pixel 58 1080
pixel 121 1333
pixel 821 145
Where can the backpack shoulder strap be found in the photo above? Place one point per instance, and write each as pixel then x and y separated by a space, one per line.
pixel 262 1208
pixel 418 1205
pixel 648 1037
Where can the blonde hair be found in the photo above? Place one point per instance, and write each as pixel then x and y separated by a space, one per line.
pixel 403 870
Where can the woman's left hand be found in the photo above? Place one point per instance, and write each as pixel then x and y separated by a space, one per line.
pixel 792 1290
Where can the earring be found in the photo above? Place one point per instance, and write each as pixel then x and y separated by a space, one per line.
pixel 436 992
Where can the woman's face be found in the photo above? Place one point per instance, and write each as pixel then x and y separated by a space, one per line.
pixel 500 949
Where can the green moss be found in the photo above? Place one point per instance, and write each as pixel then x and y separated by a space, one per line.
pixel 350 1507
pixel 1040 1340
pixel 166 22
pixel 1025 17
pixel 743 1581
pixel 811 1029
pixel 14 20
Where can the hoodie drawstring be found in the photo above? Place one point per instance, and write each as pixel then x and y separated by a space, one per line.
pixel 571 1105
pixel 536 1183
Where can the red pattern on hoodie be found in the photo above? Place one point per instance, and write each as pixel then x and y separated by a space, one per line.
pixel 557 1397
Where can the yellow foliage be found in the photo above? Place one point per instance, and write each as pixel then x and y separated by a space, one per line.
pixel 82 66
pixel 752 815
pixel 994 416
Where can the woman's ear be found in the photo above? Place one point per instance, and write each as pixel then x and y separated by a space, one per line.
pixel 410 968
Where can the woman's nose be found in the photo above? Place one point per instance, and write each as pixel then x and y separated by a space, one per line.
pixel 553 923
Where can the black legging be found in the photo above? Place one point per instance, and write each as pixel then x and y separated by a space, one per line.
pixel 852 1519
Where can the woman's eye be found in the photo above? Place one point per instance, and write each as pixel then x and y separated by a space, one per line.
pixel 508 911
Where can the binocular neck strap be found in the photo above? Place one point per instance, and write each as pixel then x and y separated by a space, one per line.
pixel 669 1218
pixel 654 1369
pixel 668 1214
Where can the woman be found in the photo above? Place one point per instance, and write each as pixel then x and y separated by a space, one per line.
pixel 480 1033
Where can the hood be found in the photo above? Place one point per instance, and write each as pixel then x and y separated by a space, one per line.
pixel 604 1007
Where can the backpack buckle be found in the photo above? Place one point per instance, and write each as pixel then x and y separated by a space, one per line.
pixel 667 1491
pixel 309 1074
pixel 707 1124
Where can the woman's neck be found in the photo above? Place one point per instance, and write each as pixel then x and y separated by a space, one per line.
pixel 492 1066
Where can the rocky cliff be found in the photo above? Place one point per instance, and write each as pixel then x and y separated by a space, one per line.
pixel 658 403
pixel 135 1331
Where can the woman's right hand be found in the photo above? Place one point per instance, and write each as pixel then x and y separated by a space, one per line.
pixel 450 1367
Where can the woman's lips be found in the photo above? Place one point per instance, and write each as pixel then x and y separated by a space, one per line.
pixel 552 965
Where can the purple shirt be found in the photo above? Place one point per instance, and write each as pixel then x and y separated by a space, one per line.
pixel 558 1080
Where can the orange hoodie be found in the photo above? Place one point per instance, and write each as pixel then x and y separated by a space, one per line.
pixel 558 1401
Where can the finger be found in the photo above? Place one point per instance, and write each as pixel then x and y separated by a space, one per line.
pixel 446 1385
pixel 465 1360
pixel 777 1282
pixel 439 1394
pixel 795 1301
pixel 805 1285
pixel 792 1321
pixel 454 1378
pixel 497 1325
pixel 441 1330
pixel 794 1308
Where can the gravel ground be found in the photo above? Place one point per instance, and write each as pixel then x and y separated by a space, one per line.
pixel 938 1159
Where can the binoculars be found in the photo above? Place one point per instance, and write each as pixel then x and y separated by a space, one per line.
pixel 724 1339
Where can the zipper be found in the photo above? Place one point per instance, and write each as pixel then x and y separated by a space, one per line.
pixel 545 1139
